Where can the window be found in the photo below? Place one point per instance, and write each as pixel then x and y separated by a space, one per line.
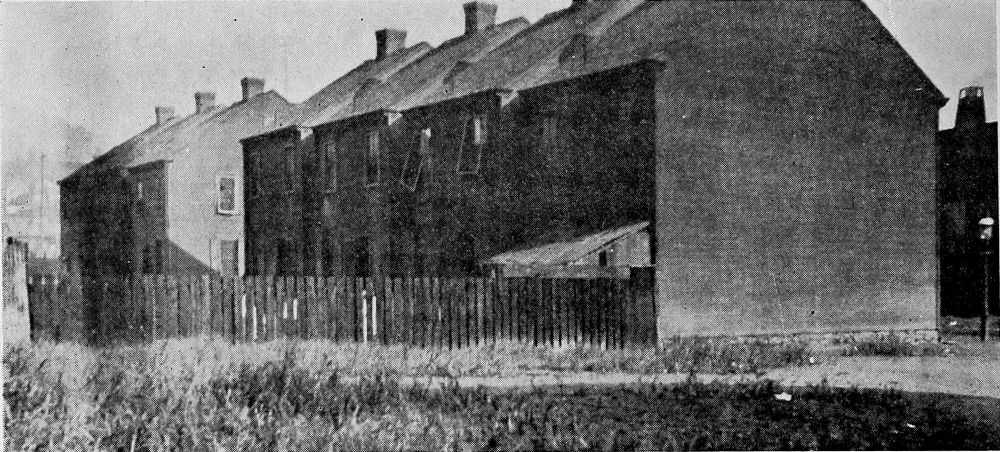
pixel 372 163
pixel 226 202
pixel 147 259
pixel 602 258
pixel 330 165
pixel 415 160
pixel 290 170
pixel 159 256
pixel 470 154
pixel 362 265
pixel 550 126
pixel 138 191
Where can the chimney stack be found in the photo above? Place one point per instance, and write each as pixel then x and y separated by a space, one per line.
pixel 971 108
pixel 251 87
pixel 479 16
pixel 389 41
pixel 203 101
pixel 163 114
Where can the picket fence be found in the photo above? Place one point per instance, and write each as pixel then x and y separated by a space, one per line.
pixel 429 312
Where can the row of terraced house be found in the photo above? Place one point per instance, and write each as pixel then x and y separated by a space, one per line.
pixel 772 162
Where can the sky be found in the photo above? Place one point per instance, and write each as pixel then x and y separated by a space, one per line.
pixel 90 73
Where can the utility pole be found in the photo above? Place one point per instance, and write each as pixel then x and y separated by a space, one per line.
pixel 41 204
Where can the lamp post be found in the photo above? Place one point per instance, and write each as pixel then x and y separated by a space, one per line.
pixel 986 238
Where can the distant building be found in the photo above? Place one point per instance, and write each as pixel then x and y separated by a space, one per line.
pixel 783 151
pixel 967 185
pixel 169 199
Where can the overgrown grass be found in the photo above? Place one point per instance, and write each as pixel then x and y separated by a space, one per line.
pixel 198 396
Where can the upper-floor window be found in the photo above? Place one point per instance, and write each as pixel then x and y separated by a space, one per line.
pixel 330 165
pixel 550 132
pixel 416 158
pixel 373 165
pixel 290 167
pixel 226 200
pixel 470 153
pixel 138 191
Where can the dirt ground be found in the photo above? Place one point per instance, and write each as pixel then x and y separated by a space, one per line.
pixel 974 373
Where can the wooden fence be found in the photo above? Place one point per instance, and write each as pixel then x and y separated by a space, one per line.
pixel 437 312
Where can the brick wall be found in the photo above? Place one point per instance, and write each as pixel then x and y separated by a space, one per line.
pixel 795 176
pixel 594 171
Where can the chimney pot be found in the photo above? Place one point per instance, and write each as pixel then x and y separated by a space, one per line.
pixel 204 101
pixel 251 87
pixel 163 114
pixel 479 16
pixel 389 41
pixel 971 108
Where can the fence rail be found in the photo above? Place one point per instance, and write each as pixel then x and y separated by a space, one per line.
pixel 438 312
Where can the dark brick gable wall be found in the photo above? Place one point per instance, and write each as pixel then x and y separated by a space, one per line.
pixel 795 177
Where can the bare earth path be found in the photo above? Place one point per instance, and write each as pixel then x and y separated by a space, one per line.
pixel 950 375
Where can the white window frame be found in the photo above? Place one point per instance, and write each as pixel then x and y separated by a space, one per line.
pixel 218 194
pixel 477 143
pixel 423 151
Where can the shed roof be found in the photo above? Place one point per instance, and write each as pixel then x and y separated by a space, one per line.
pixel 565 252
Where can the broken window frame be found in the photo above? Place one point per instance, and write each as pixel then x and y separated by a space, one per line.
pixel 419 152
pixel 477 124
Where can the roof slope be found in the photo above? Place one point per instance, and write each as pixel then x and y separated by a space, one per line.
pixel 565 252
pixel 597 36
pixel 270 108
pixel 163 142
pixel 409 86
pixel 121 153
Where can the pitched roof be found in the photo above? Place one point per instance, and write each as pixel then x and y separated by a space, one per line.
pixel 533 48
pixel 565 252
pixel 410 85
pixel 341 91
pixel 161 142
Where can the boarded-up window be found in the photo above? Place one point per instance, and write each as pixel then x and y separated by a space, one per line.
pixel 227 194
pixel 416 159
pixel 372 162
pixel 330 165
pixel 470 153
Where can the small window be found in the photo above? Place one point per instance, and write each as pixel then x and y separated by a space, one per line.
pixel 330 165
pixel 362 263
pixel 470 153
pixel 227 194
pixel 415 160
pixel 147 260
pixel 290 170
pixel 138 191
pixel 373 165
pixel 602 259
pixel 159 257
pixel 550 126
